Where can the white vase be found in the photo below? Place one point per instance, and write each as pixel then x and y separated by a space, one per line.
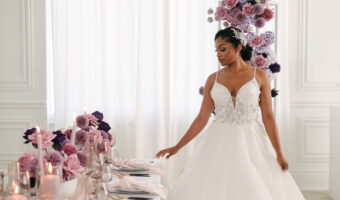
pixel 69 187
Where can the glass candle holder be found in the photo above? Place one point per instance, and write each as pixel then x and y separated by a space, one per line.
pixel 50 182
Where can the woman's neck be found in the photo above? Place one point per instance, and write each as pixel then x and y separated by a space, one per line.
pixel 238 65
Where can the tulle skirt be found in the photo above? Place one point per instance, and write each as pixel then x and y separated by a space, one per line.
pixel 234 162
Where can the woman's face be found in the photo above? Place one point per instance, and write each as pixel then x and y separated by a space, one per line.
pixel 226 52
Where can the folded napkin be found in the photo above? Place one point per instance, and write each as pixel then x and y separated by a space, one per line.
pixel 128 163
pixel 128 183
pixel 83 187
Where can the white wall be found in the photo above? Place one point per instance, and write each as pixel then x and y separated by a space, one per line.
pixel 314 70
pixel 22 74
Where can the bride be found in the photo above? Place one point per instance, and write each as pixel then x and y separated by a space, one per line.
pixel 237 158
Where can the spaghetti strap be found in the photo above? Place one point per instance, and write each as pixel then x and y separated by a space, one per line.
pixel 218 69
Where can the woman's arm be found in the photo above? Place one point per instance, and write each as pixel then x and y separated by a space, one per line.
pixel 199 122
pixel 267 112
pixel 203 116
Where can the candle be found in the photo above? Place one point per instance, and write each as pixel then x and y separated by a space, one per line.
pixel 74 129
pixel 50 185
pixel 40 155
pixel 16 195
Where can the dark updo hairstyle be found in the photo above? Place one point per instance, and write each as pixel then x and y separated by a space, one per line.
pixel 229 36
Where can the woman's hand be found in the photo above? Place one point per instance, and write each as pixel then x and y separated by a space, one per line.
pixel 282 162
pixel 170 151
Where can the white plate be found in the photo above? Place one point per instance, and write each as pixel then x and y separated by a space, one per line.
pixel 120 191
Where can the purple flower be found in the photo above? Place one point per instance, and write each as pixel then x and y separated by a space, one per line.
pixel 275 67
pixel 240 18
pixel 59 141
pixel 70 149
pixel 258 9
pixel 262 49
pixel 259 22
pixel 27 133
pixel 105 135
pixel 82 121
pixel 235 11
pixel 201 90
pixel 250 36
pixel 80 137
pixel 274 92
pixel 269 37
pixel 245 26
pixel 98 115
pixel 82 158
pixel 53 157
pixel 103 126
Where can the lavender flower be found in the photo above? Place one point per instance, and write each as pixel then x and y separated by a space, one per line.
pixel 262 49
pixel 27 133
pixel 80 137
pixel 54 157
pixel 275 67
pixel 82 158
pixel 274 92
pixel 269 37
pixel 201 90
pixel 98 115
pixel 103 126
pixel 250 36
pixel 82 121
pixel 59 141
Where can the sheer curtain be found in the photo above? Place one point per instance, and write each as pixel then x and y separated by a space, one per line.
pixel 140 62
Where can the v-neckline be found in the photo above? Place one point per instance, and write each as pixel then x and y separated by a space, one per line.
pixel 234 105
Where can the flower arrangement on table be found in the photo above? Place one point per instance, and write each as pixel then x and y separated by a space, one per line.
pixel 245 15
pixel 64 147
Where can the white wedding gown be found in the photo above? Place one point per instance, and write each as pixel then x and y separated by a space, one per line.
pixel 234 159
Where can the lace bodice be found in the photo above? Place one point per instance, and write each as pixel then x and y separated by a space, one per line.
pixel 246 107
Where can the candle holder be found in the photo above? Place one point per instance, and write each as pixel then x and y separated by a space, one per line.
pixel 50 182
pixel 15 191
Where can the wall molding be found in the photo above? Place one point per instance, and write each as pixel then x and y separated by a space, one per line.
pixel 27 81
pixel 28 104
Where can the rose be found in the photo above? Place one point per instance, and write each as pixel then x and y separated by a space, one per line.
pixel 231 3
pixel 259 22
pixel 248 9
pixel 69 149
pixel 92 119
pixel 210 19
pixel 257 41
pixel 268 14
pixel 220 12
pixel 72 166
pixel 25 159
pixel 46 138
pixel 260 61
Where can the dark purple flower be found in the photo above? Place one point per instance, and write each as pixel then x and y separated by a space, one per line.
pixel 98 115
pixel 53 157
pixel 259 22
pixel 82 158
pixel 59 141
pixel 274 92
pixel 275 67
pixel 27 133
pixel 80 137
pixel 240 18
pixel 70 149
pixel 201 90
pixel 103 126
pixel 258 9
pixel 82 121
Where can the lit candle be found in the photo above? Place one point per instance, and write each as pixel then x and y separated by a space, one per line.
pixel 85 110
pixel 50 185
pixel 40 155
pixel 74 129
pixel 16 195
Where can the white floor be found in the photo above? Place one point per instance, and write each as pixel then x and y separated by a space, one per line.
pixel 316 195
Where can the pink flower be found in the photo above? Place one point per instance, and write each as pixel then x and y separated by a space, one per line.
pixel 25 160
pixel 46 138
pixel 260 61
pixel 82 121
pixel 268 14
pixel 96 135
pixel 68 133
pixel 248 9
pixel 69 149
pixel 210 11
pixel 72 166
pixel 231 3
pixel 92 119
pixel 220 12
pixel 225 24
pixel 230 18
pixel 259 22
pixel 264 1
pixel 257 41
pixel 210 19
pixel 240 18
